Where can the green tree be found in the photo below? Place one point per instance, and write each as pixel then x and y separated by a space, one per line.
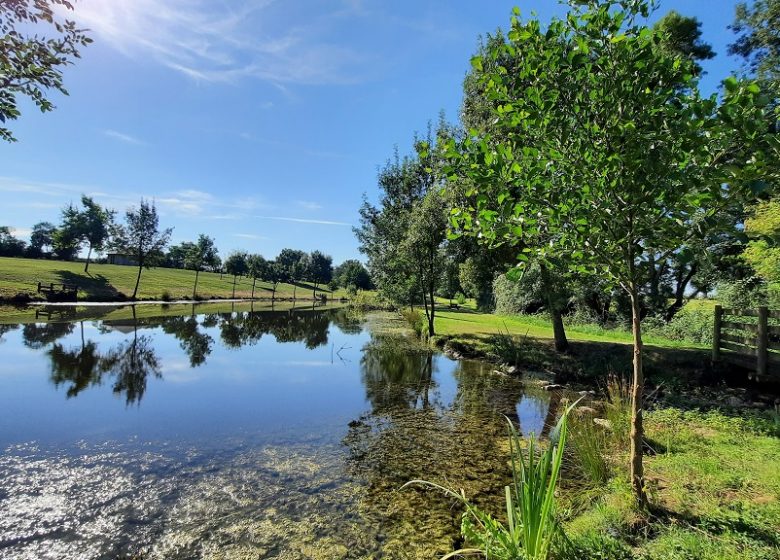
pixel 202 254
pixel 91 225
pixel 320 270
pixel 236 265
pixel 422 247
pixel 605 149
pixel 757 26
pixel 258 269
pixel 681 34
pixel 763 249
pixel 141 237
pixel 42 237
pixel 177 254
pixel 292 267
pixel 352 273
pixel 29 63
pixel 10 246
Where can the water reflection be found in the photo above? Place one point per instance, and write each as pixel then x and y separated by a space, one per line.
pixel 258 442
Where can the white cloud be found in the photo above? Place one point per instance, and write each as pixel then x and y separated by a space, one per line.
pixel 211 42
pixel 309 205
pixel 122 137
pixel 250 236
pixel 303 221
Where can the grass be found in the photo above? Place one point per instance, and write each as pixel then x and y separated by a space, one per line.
pixel 107 282
pixel 714 485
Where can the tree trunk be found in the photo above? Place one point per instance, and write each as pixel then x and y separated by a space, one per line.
pixel 89 254
pixel 195 288
pixel 637 395
pixel 559 332
pixel 273 294
pixel 432 316
pixel 295 289
pixel 137 280
pixel 234 287
pixel 679 293
pixel 314 292
pixel 254 281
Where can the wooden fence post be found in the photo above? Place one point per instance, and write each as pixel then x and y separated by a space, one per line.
pixel 716 333
pixel 762 342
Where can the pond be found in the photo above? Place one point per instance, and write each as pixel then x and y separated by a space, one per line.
pixel 237 433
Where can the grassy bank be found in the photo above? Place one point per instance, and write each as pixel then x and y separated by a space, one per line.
pixel 106 282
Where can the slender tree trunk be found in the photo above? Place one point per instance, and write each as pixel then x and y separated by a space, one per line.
pixel 234 287
pixel 295 289
pixel 556 315
pixel 432 316
pixel 89 254
pixel 82 335
pixel 137 280
pixel 254 281
pixel 273 294
pixel 637 395
pixel 314 292
pixel 195 288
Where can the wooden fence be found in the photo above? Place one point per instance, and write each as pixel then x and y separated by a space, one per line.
pixel 745 338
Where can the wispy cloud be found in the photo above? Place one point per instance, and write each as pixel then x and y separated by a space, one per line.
pixel 122 137
pixel 308 205
pixel 303 221
pixel 211 42
pixel 250 236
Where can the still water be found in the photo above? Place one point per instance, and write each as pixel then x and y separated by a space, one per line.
pixel 242 434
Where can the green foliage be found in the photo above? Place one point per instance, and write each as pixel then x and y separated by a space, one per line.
pixel 31 64
pixel 507 347
pixel 415 320
pixel 352 273
pixel 460 298
pixel 691 324
pixel 681 34
pixel 763 250
pixel 519 295
pixel 597 546
pixel 202 255
pixel 10 246
pixel 236 263
pixel 758 40
pixel 42 237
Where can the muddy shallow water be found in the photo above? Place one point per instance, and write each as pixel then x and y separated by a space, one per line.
pixel 261 434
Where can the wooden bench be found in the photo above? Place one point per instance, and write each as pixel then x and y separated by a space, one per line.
pixel 58 292
pixel 454 306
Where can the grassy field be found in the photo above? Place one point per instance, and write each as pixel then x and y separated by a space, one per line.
pixel 468 324
pixel 106 282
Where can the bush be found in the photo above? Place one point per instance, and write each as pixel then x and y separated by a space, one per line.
pixel 693 323
pixel 523 295
pixel 415 320
pixel 460 298
pixel 506 347
pixel 166 296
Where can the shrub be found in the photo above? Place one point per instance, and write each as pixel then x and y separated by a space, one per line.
pixel 690 324
pixel 523 295
pixel 506 347
pixel 166 296
pixel 460 298
pixel 415 320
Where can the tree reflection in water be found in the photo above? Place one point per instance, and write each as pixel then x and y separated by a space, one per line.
pixel 196 344
pixel 6 329
pixel 129 363
pixel 413 431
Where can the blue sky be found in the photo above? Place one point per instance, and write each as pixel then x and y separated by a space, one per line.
pixel 260 123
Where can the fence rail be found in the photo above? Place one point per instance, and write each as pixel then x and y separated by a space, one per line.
pixel 745 338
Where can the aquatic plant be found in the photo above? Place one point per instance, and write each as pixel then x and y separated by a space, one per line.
pixel 532 528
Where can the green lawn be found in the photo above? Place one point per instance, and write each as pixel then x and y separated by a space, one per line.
pixel 106 282
pixel 468 323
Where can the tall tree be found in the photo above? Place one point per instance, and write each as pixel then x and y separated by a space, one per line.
pixel 682 34
pixel 757 26
pixel 422 246
pixel 42 237
pixel 320 270
pixel 202 254
pixel 352 273
pixel 606 149
pixel 10 246
pixel 31 64
pixel 91 225
pixel 141 237
pixel 292 266
pixel 236 265
pixel 257 267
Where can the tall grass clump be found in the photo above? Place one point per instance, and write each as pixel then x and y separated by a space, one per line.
pixel 589 446
pixel 618 409
pixel 415 320
pixel 506 347
pixel 532 529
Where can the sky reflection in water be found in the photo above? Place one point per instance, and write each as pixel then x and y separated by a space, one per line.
pixel 241 435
